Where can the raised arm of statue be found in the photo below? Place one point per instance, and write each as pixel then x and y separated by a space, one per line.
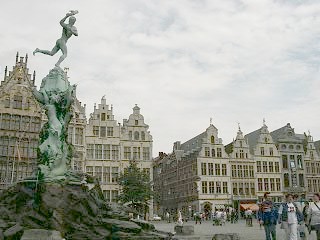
pixel 38 96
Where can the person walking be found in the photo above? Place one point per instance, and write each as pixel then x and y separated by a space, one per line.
pixel 289 218
pixel 313 219
pixel 268 217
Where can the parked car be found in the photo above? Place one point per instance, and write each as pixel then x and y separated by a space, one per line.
pixel 156 217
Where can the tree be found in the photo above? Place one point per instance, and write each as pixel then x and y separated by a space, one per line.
pixel 136 187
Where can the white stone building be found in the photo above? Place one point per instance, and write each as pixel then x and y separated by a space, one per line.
pixel 110 147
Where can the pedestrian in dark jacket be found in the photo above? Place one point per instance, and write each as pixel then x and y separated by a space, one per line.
pixel 268 217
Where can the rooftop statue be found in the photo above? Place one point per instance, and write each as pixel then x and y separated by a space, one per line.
pixel 61 44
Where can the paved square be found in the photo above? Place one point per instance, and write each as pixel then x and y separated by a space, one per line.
pixel 206 230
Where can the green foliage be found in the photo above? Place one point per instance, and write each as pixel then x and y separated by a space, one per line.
pixel 136 186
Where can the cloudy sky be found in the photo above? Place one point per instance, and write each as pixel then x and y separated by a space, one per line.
pixel 181 61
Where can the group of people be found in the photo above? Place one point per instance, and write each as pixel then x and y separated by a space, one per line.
pixel 294 222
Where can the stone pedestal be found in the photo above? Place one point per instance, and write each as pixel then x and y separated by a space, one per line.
pixel 41 234
pixel 184 230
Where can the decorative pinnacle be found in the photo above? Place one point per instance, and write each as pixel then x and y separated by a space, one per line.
pixel 211 121
pixel 264 121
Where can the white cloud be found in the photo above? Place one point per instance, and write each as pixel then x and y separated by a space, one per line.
pixel 182 61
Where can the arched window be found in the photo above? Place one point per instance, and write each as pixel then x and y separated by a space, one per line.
pixel 286 180
pixel 136 135
pixel 212 139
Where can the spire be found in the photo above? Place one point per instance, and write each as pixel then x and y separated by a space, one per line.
pixel 136 109
pixel 103 100
pixel 34 75
pixel 17 56
pixel 264 122
pixel 211 121
pixel 239 134
pixel 5 72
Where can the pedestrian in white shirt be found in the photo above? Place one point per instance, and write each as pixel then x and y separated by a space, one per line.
pixel 289 217
pixel 313 219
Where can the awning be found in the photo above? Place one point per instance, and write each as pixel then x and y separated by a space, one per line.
pixel 252 206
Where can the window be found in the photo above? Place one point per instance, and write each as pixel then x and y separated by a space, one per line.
pixel 271 151
pixel 241 153
pixel 211 187
pixel 213 152
pixel 299 160
pixel 106 175
pixel 210 168
pixel 278 185
pixel 212 139
pixel 270 167
pixel 136 122
pixel 143 136
pixel 102 131
pixel 35 124
pixel 203 168
pixel 253 189
pixel 96 130
pixel 98 173
pixel 276 167
pixel 285 161
pixel 130 135
pixel 114 196
pixel 265 166
pixel 103 116
pixel 247 189
pixel 225 187
pixel 260 188
pixel 234 171
pixel 78 136
pixel 106 151
pixel 258 166
pixel 109 131
pixel 136 135
pixel 217 168
pixel 70 135
pixel 204 187
pixel 272 184
pixel 266 184
pixel 146 153
pixel 240 175
pixel 301 180
pixel 114 174
pixel 286 180
pixel 98 151
pixel 90 151
pixel 25 123
pixel 219 152
pixel 127 153
pixel 251 171
pixel 218 185
pixel 224 170
pixel 246 171
pixel 136 153
pixel 115 152
pixel 241 192
pixel 235 188
pixel 89 170
pixel 17 102
pixel 106 194
pixel 262 151
pixel 207 152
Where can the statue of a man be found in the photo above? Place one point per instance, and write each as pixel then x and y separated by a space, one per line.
pixel 61 44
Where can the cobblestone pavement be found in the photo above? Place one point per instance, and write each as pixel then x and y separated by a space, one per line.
pixel 206 230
